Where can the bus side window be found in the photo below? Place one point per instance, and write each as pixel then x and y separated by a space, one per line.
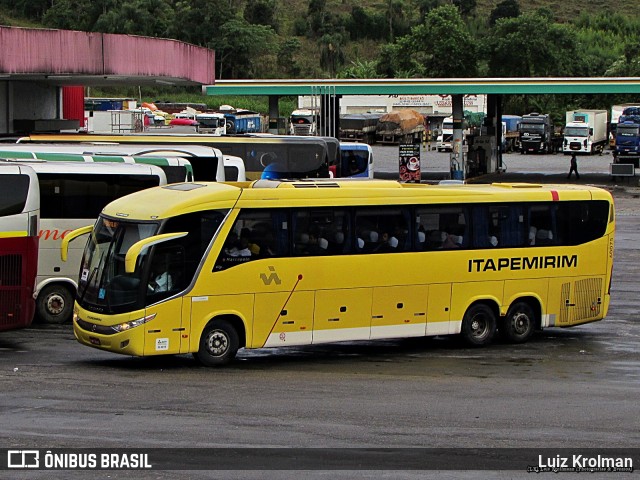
pixel 256 234
pixel 320 231
pixel 542 221
pixel 440 227
pixel 383 229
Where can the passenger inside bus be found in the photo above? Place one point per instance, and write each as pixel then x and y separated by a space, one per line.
pixel 160 283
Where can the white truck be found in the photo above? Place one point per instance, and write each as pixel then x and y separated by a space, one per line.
pixel 303 121
pixel 212 123
pixel 585 131
pixel 443 142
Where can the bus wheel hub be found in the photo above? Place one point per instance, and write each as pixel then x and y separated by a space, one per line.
pixel 55 304
pixel 218 343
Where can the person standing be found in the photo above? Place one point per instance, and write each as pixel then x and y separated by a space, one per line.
pixel 574 167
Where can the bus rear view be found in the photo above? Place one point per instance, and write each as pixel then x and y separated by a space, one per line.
pixel 19 224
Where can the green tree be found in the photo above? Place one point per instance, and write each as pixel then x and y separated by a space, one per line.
pixel 199 21
pixel 425 6
pixel 261 12
pixel 33 9
pixel 466 7
pixel 239 46
pixel 531 46
pixel 359 69
pixel 394 14
pixel 318 15
pixel 69 15
pixel 286 57
pixel 504 9
pixel 331 54
pixel 628 65
pixel 137 17
pixel 365 23
pixel 440 47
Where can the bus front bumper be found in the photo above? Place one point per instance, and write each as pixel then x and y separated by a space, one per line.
pixel 97 335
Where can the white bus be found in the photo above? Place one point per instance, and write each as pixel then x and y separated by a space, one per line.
pixel 176 169
pixel 204 160
pixel 73 194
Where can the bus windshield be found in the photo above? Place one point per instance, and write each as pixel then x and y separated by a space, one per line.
pixel 161 271
pixel 103 284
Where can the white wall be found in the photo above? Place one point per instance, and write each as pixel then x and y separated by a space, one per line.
pixel 428 104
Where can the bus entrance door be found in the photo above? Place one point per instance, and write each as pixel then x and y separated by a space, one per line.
pixel 163 334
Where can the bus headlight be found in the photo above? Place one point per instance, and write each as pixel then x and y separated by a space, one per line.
pixel 133 323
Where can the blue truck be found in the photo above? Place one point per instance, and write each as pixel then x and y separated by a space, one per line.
pixel 628 137
pixel 240 120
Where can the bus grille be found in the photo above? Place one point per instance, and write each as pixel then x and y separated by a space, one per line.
pixel 10 289
pixel 10 270
pixel 586 303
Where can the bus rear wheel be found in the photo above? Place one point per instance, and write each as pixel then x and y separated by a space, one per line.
pixel 55 304
pixel 218 344
pixel 519 323
pixel 478 325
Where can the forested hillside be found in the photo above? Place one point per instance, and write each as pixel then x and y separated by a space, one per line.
pixel 372 38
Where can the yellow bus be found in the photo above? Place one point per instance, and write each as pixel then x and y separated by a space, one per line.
pixel 208 268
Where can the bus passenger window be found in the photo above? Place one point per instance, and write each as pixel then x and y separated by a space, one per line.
pixel 320 231
pixel 383 229
pixel 256 234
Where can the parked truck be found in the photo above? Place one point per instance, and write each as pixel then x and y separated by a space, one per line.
pixel 585 131
pixel 303 121
pixel 616 112
pixel 211 123
pixel 398 126
pixel 359 127
pixel 445 137
pixel 627 147
pixel 510 133
pixel 240 120
pixel 536 133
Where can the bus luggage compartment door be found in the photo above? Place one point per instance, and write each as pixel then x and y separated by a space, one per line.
pixel 399 311
pixel 342 314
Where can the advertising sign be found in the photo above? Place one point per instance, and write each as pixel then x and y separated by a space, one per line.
pixel 409 162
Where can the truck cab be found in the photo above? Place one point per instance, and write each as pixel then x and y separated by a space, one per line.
pixel 303 122
pixel 212 123
pixel 445 137
pixel 536 132
pixel 628 141
pixel 585 131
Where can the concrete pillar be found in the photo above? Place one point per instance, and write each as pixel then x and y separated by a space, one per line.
pixel 274 113
pixel 6 107
pixel 457 155
pixel 494 129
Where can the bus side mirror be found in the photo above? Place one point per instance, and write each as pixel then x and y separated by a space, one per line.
pixel 64 246
pixel 134 251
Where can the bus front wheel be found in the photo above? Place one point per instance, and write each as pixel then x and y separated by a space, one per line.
pixel 55 304
pixel 478 325
pixel 218 344
pixel 519 323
